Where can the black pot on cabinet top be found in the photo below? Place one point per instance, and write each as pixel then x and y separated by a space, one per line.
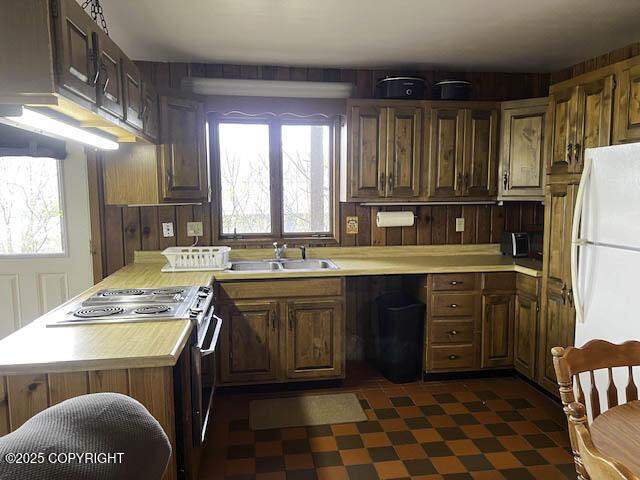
pixel 452 90
pixel 409 88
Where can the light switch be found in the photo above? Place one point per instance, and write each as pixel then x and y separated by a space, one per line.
pixel 460 224
pixel 167 229
pixel 194 229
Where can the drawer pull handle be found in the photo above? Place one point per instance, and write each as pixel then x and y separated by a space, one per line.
pixel 453 357
pixel 453 305
pixel 455 282
pixel 453 332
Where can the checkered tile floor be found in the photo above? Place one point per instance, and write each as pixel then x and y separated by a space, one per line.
pixel 467 429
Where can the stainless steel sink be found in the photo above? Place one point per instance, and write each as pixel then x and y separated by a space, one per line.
pixel 312 264
pixel 309 264
pixel 255 266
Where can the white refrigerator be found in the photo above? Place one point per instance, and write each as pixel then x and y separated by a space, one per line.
pixel 605 251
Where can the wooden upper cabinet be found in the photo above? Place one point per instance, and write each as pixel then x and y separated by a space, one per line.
pixel 109 76
pixel 522 139
pixel 497 330
pixel 183 156
pixel 133 94
pixel 368 142
pixel 480 153
pixel 74 49
pixel 404 151
pixel 561 122
pixel 446 152
pixel 628 104
pixel 150 111
pixel 594 118
pixel 314 339
pixel 249 344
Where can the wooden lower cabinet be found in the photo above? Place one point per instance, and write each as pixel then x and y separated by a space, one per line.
pixel 249 344
pixel 295 334
pixel 497 330
pixel 314 339
pixel 526 328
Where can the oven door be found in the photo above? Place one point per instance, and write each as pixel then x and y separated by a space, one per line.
pixel 201 391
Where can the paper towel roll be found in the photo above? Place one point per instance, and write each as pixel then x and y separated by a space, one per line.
pixel 395 219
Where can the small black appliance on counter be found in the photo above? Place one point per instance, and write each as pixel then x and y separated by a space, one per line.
pixel 515 244
pixel 409 88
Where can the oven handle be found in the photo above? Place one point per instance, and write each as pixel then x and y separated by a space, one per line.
pixel 214 339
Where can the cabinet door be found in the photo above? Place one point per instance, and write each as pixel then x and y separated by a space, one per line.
pixel 315 339
pixel 480 153
pixel 445 152
pixel 526 331
pixel 497 330
pixel 150 111
pixel 368 138
pixel 559 203
pixel 593 120
pixel 74 49
pixel 522 152
pixel 109 84
pixel 183 150
pixel 249 346
pixel 628 112
pixel 404 151
pixel 561 128
pixel 133 95
pixel 557 331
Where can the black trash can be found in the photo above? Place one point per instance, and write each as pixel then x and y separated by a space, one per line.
pixel 400 337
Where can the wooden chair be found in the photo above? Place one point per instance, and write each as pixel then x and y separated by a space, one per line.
pixel 593 356
pixel 597 465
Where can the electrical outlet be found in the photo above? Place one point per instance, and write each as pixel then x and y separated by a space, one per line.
pixel 167 229
pixel 194 229
pixel 352 225
pixel 460 224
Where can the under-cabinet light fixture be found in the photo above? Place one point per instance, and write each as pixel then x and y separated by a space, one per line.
pixel 40 123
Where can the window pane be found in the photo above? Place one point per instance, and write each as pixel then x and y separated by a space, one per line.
pixel 30 207
pixel 306 186
pixel 244 175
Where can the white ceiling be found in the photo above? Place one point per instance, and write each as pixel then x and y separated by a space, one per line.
pixel 502 35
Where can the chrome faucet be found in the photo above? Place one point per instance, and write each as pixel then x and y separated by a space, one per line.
pixel 279 250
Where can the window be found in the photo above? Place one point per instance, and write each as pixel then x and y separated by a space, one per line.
pixel 30 206
pixel 275 178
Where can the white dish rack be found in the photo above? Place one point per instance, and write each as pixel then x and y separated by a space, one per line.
pixel 189 259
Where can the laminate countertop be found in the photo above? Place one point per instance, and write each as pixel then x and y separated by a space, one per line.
pixel 37 348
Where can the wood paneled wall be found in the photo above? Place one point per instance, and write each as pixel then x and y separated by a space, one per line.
pixel 594 63
pixel 486 85
pixel 140 228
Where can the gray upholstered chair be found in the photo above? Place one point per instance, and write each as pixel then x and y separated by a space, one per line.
pixel 106 423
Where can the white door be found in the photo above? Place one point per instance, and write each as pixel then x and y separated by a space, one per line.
pixel 45 232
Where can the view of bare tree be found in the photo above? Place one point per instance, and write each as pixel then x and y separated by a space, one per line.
pixel 29 206
pixel 245 178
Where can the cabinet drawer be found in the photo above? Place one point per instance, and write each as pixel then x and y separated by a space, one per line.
pixel 453 281
pixel 451 332
pixel 448 357
pixel 499 281
pixel 527 284
pixel 453 304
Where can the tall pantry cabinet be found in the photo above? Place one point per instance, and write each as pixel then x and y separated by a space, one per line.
pixel 579 116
